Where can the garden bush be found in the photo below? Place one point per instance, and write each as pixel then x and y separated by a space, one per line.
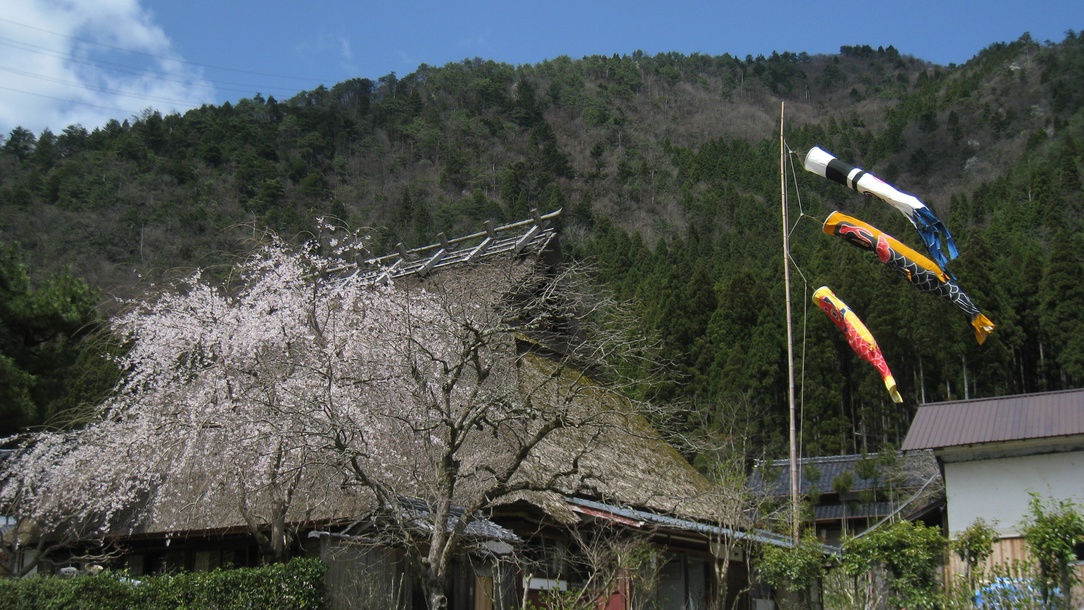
pixel 295 585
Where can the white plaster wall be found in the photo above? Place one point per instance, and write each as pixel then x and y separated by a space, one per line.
pixel 997 490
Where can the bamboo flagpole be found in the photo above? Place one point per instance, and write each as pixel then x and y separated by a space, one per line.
pixel 790 334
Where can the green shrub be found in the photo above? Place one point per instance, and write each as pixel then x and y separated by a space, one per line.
pixel 795 569
pixel 973 546
pixel 296 585
pixel 1053 529
pixel 911 553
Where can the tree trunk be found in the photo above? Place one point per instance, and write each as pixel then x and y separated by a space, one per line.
pixel 278 547
pixel 274 545
pixel 433 585
pixel 435 570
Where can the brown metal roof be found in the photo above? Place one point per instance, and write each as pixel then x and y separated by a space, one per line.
pixel 991 420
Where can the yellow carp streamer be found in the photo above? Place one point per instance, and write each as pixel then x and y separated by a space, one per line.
pixel 918 270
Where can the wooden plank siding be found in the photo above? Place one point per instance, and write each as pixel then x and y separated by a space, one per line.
pixel 1010 558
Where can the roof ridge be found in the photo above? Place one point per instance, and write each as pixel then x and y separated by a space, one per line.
pixel 531 235
pixel 1028 395
pixel 821 459
pixel 536 219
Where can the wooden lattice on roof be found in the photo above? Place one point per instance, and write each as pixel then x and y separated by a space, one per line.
pixel 526 236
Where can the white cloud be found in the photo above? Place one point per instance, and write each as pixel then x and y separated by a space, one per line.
pixel 64 62
pixel 345 51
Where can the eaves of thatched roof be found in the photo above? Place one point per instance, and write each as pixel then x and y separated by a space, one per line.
pixel 628 462
pixel 641 518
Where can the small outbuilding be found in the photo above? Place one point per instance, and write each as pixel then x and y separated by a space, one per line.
pixel 995 453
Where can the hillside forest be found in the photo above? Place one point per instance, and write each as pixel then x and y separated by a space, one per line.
pixel 667 172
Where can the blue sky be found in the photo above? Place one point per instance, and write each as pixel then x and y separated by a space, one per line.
pixel 86 61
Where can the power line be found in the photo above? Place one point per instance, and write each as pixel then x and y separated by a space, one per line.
pixel 70 101
pixel 89 87
pixel 72 55
pixel 109 66
pixel 310 79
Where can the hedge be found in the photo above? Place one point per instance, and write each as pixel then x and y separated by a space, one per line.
pixel 296 585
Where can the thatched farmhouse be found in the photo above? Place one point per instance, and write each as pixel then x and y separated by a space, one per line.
pixel 600 505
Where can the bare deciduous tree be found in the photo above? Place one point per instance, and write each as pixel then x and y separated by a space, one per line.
pixel 722 440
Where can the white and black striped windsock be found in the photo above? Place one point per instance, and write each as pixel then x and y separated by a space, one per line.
pixel 930 228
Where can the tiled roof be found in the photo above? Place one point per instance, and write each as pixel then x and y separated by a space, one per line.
pixel 1046 415
pixel 867 510
pixel 912 470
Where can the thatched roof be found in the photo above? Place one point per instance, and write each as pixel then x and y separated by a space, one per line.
pixel 622 460
pixel 627 462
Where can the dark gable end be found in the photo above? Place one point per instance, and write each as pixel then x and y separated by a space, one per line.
pixel 1024 417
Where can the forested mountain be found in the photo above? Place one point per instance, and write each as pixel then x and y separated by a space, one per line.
pixel 667 168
